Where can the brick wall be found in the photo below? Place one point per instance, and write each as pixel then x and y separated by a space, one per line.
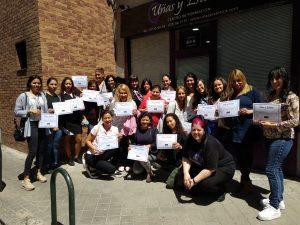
pixel 18 22
pixel 63 38
pixel 76 37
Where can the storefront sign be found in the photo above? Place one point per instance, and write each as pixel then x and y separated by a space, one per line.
pixel 166 14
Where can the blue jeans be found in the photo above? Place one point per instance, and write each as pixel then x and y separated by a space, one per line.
pixel 53 147
pixel 278 150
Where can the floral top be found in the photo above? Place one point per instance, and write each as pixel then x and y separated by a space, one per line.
pixel 289 118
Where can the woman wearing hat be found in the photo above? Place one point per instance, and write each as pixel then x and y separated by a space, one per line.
pixel 207 166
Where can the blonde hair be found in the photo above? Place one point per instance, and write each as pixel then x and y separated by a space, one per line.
pixel 182 106
pixel 125 88
pixel 234 75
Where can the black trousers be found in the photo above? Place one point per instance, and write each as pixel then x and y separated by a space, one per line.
pixel 102 162
pixel 213 184
pixel 36 147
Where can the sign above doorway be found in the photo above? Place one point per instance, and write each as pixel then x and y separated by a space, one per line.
pixel 169 14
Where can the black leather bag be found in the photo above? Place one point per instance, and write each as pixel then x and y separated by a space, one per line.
pixel 19 129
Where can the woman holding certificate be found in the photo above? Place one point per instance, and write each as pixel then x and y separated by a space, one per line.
pixel 125 110
pixel 172 125
pixel 242 126
pixel 146 87
pixel 29 106
pixel 154 104
pixel 71 123
pixel 207 166
pixel 278 140
pixel 102 142
pixel 180 106
pixel 54 138
pixel 145 135
pixel 133 84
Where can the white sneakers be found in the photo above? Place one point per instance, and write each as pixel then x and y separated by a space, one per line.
pixel 27 185
pixel 265 202
pixel 41 178
pixel 269 212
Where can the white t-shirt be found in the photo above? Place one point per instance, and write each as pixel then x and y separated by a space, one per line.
pixel 98 131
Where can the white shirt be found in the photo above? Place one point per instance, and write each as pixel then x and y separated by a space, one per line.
pixel 98 131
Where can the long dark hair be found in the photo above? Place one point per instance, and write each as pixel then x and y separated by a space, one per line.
pixel 214 95
pixel 133 78
pixel 106 82
pixel 143 91
pixel 178 127
pixel 93 82
pixel 63 88
pixel 144 114
pixel 30 79
pixel 198 97
pixel 192 75
pixel 279 72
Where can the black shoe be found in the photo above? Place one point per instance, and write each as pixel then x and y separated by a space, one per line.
pixel 78 160
pixel 221 198
pixel 71 162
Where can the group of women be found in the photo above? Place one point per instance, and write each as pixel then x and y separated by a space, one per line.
pixel 202 154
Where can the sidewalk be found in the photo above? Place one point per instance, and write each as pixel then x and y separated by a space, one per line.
pixel 130 201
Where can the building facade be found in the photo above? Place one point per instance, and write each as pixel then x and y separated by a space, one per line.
pixel 50 38
pixel 209 38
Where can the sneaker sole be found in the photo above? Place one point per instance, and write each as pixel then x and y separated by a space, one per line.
pixel 28 189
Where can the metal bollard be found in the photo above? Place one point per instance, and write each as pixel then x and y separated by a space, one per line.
pixel 2 184
pixel 70 185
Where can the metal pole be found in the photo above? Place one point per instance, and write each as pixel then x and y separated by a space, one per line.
pixel 70 185
pixel 2 184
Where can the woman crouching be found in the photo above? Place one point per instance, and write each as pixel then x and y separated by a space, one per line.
pixel 207 166
pixel 101 160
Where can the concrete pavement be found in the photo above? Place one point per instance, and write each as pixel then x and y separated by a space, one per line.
pixel 129 202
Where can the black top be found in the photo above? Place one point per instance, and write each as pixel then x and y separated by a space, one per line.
pixel 241 124
pixel 209 154
pixel 76 116
pixel 51 99
pixel 91 112
pixel 146 137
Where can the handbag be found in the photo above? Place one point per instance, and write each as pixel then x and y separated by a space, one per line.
pixel 20 128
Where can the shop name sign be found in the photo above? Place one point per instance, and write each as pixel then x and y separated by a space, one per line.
pixel 167 14
pixel 159 9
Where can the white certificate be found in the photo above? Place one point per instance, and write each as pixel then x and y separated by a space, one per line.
pixel 80 81
pixel 165 141
pixel 207 111
pixel 155 106
pixel 106 142
pixel 187 127
pixel 267 112
pixel 104 98
pixel 90 95
pixel 48 120
pixel 229 108
pixel 138 153
pixel 76 104
pixel 169 96
pixel 62 108
pixel 123 109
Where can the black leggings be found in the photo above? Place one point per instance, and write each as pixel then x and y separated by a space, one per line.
pixel 213 184
pixel 36 147
pixel 101 163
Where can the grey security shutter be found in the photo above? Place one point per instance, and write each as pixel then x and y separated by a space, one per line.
pixel 255 41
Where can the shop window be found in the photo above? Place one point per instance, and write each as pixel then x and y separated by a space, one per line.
pixel 193 38
pixel 22 56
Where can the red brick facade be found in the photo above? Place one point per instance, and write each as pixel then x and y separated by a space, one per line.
pixel 63 38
